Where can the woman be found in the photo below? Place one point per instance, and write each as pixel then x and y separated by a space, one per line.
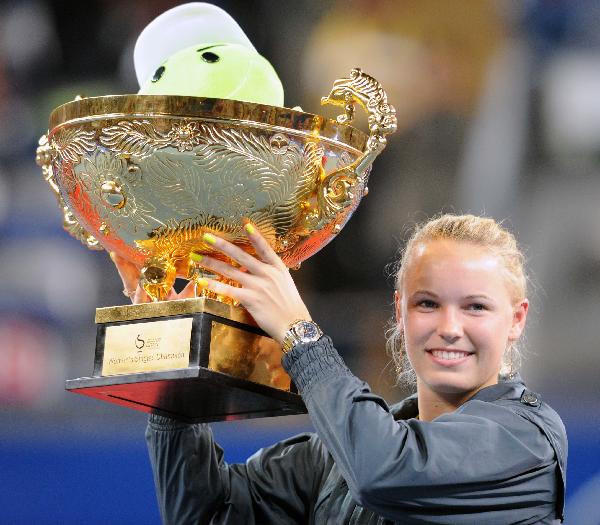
pixel 473 446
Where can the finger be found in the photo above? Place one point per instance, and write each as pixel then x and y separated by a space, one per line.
pixel 235 293
pixel 129 273
pixel 262 247
pixel 252 264
pixel 140 296
pixel 225 269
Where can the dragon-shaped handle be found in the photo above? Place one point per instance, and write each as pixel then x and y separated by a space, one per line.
pixel 337 190
pixel 43 157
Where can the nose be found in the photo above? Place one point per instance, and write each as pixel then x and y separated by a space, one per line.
pixel 450 328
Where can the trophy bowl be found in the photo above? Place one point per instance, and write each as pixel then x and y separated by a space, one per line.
pixel 146 176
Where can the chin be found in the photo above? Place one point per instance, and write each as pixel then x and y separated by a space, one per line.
pixel 452 388
pixel 450 385
pixel 453 384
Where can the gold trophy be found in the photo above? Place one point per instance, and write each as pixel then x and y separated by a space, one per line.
pixel 145 176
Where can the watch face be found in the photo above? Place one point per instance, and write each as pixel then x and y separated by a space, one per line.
pixel 307 331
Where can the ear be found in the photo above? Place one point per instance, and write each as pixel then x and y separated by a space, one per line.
pixel 398 306
pixel 518 320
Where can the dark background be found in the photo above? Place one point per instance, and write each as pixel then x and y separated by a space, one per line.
pixel 499 111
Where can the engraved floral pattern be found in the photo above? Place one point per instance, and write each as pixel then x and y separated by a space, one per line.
pixel 279 144
pixel 235 201
pixel 46 158
pixel 136 137
pixel 67 178
pixel 105 175
pixel 185 137
pixel 72 143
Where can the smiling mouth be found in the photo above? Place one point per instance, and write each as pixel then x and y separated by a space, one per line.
pixel 449 355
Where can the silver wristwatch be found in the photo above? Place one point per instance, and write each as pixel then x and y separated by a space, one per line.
pixel 300 331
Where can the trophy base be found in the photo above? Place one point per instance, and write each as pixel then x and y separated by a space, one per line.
pixel 192 395
pixel 197 360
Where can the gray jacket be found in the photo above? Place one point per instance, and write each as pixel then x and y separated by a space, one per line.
pixel 498 459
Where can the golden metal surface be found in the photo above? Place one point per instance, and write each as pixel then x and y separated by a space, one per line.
pixel 147 347
pixel 132 107
pixel 147 176
pixel 247 356
pixel 44 157
pixel 130 312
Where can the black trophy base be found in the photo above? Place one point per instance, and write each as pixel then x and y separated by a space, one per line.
pixel 193 395
pixel 196 360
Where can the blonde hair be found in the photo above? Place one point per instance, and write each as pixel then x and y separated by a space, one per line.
pixel 481 231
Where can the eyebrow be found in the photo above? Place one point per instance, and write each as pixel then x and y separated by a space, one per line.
pixel 470 297
pixel 425 292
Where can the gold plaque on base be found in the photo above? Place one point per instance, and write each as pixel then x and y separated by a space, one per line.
pixel 147 347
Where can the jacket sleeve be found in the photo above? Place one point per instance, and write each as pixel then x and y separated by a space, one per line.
pixel 194 485
pixel 483 457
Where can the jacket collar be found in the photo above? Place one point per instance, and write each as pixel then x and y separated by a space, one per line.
pixel 504 389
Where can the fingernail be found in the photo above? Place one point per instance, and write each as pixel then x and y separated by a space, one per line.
pixel 249 228
pixel 113 256
pixel 203 283
pixel 209 238
pixel 196 257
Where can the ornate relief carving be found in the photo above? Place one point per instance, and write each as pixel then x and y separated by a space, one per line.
pixel 70 144
pixel 136 137
pixel 111 195
pixel 45 155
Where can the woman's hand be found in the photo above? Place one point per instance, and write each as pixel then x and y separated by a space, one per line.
pixel 130 275
pixel 267 289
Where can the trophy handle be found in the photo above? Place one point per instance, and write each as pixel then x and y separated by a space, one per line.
pixel 337 190
pixel 43 157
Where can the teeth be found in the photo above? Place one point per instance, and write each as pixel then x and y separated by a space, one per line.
pixel 441 354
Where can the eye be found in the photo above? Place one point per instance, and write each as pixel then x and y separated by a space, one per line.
pixel 427 304
pixel 477 307
pixel 158 74
pixel 210 57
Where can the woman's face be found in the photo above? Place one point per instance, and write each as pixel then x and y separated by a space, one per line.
pixel 457 315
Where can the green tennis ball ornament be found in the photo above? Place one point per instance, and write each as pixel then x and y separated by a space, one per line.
pixel 217 71
pixel 198 50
